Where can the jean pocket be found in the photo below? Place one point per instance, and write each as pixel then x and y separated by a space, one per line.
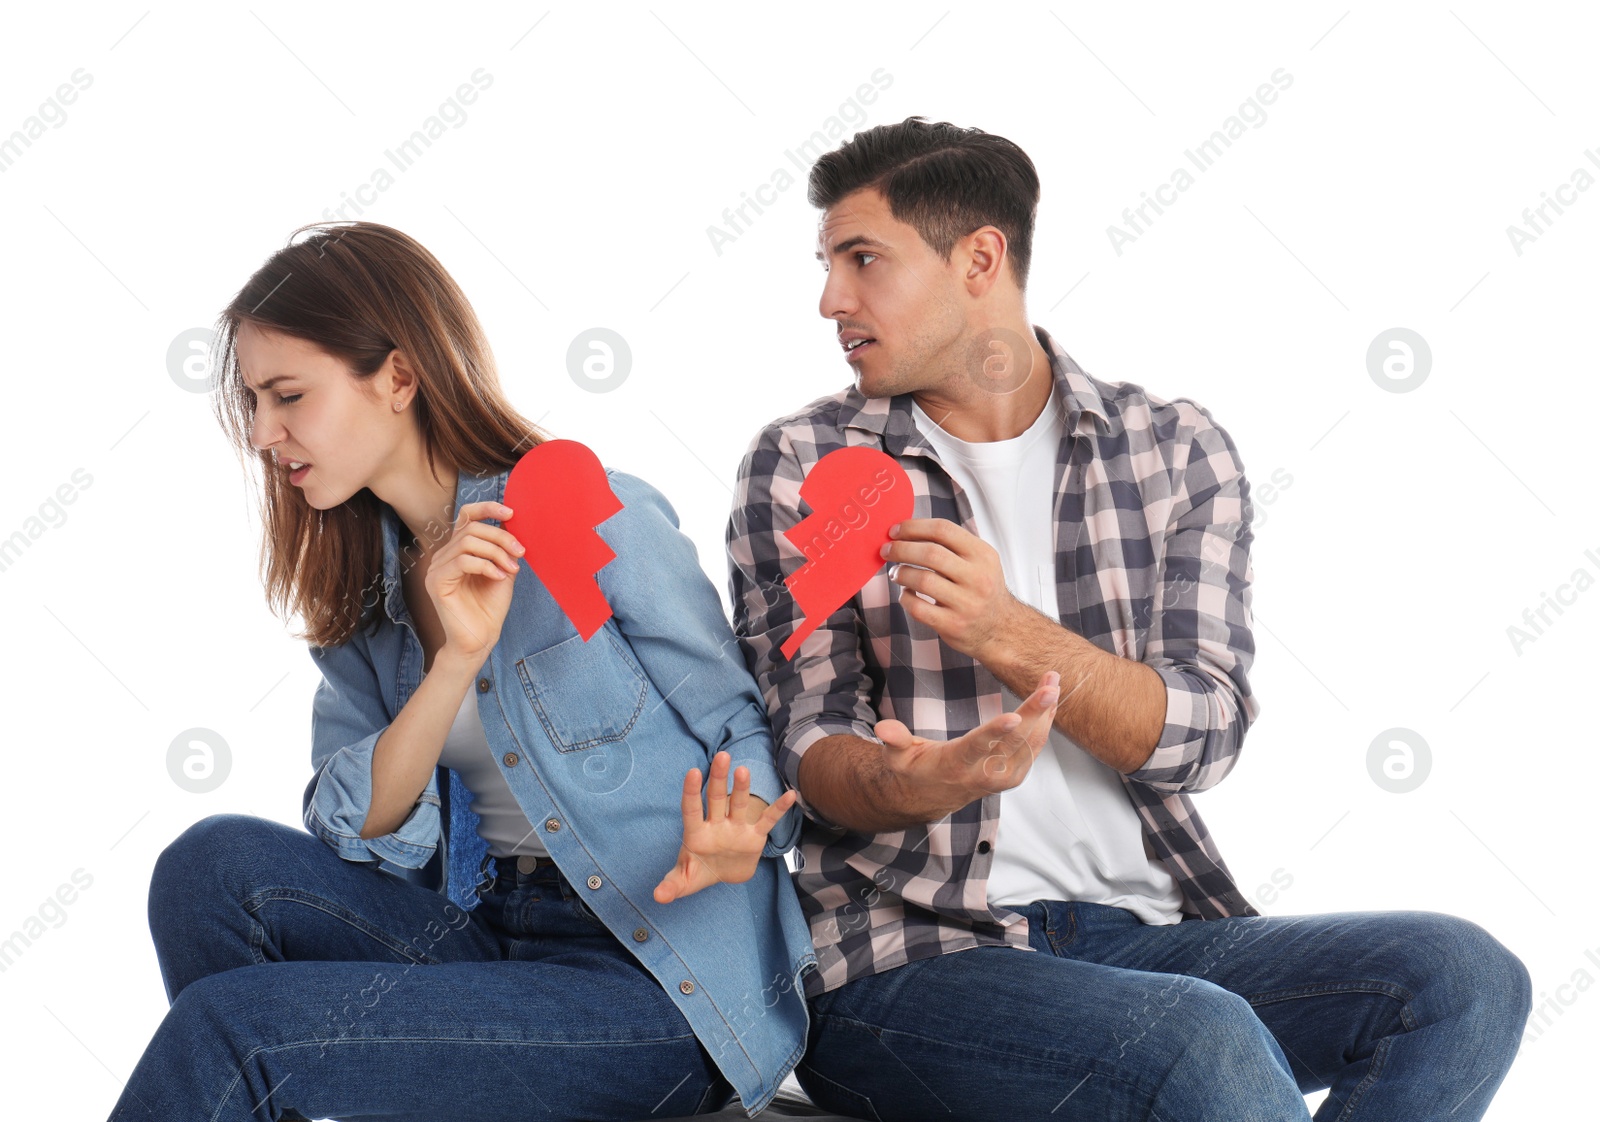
pixel 572 896
pixel 719 1092
pixel 585 693
pixel 834 1097
pixel 1060 939
pixel 585 913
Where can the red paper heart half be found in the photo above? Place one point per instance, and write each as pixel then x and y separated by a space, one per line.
pixel 558 493
pixel 856 494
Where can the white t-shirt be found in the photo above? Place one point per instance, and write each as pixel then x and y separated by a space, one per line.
pixel 1068 832
pixel 501 822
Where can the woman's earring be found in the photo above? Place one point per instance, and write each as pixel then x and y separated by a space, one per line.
pixel 398 406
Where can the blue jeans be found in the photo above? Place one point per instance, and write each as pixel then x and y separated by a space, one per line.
pixel 1405 1015
pixel 306 986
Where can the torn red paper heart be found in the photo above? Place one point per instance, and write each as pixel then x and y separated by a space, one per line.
pixel 855 494
pixel 558 493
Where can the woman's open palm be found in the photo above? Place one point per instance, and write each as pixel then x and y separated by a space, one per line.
pixel 721 842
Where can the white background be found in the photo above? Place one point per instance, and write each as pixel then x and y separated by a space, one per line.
pixel 1418 526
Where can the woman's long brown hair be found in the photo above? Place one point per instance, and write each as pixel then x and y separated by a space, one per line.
pixel 359 290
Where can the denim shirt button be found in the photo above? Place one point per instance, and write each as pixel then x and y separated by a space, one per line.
pixel 483 685
pixel 685 987
pixel 551 825
pixel 640 934
pixel 594 882
pixel 509 759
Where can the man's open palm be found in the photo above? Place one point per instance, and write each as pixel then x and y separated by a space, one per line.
pixel 995 756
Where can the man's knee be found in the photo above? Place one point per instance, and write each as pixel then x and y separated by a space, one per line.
pixel 1469 966
pixel 1208 1019
pixel 1215 1058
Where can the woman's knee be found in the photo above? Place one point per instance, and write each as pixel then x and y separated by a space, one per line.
pixel 200 863
pixel 221 838
pixel 225 1010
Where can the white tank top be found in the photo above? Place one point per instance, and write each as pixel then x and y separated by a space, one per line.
pixel 1069 831
pixel 501 822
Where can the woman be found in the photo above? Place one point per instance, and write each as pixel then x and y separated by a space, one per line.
pixel 538 953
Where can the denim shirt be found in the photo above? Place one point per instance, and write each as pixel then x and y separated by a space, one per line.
pixel 595 739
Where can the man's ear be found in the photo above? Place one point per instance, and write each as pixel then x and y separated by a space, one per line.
pixel 984 253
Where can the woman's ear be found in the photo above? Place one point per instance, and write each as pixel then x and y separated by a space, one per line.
pixel 401 377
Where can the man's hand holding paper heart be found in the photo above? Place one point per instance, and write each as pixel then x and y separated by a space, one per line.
pixel 973 609
pixel 861 505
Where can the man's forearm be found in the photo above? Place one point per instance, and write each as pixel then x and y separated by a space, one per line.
pixel 1114 707
pixel 847 780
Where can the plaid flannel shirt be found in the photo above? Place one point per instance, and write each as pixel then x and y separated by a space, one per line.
pixel 1152 547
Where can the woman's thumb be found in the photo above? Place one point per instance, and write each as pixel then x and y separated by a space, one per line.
pixel 667 891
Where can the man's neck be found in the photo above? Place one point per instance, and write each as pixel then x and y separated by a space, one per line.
pixel 966 409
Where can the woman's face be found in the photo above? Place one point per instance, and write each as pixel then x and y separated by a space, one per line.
pixel 311 410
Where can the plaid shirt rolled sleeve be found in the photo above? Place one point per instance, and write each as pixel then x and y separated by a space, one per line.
pixel 1199 639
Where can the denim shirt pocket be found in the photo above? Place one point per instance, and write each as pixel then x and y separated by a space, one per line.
pixel 585 693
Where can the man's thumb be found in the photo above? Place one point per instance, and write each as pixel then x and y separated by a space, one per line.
pixel 893 733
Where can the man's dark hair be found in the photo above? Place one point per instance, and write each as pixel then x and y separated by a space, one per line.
pixel 943 180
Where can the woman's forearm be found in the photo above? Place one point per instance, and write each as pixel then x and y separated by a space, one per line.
pixel 407 752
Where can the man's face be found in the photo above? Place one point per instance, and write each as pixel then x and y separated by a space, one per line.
pixel 888 286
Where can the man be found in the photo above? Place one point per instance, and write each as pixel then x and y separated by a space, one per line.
pixel 1017 910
